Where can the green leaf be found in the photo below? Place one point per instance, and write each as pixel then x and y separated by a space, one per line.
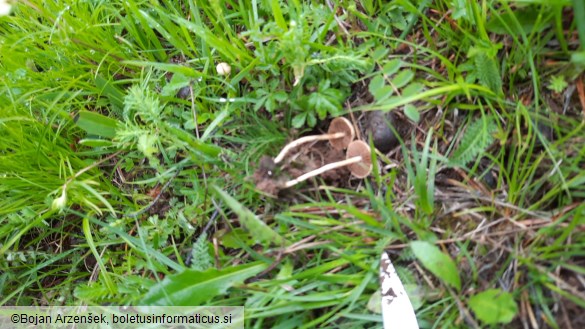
pixel 521 21
pixel 411 112
pixel 277 12
pixel 201 259
pixel 206 148
pixel 96 124
pixel 487 72
pixel 494 306
pixel 325 100
pixel 311 119
pixel 477 138
pixel 280 96
pixel 402 78
pixel 460 10
pixel 424 180
pixel 231 238
pixel 87 231
pixel 261 101
pixel 397 18
pixel 92 142
pixel 557 83
pixel 299 120
pixel 256 227
pixel 438 263
pixel 466 66
pixel 321 105
pixel 378 89
pixel 392 67
pixel 167 67
pixel 384 93
pixel 147 144
pixel 376 83
pixel 412 89
pixel 380 53
pixel 111 91
pixel 192 287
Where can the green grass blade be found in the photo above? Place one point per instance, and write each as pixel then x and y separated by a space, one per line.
pixel 192 287
pixel 103 271
pixel 96 124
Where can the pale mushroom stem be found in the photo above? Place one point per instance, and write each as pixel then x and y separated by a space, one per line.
pixel 323 169
pixel 304 140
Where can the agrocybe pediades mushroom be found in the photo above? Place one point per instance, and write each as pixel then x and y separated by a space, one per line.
pixel 340 135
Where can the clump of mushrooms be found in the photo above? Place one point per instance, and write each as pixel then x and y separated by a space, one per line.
pixel 341 136
pixel 358 159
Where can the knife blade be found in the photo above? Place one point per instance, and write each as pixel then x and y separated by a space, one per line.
pixel 397 310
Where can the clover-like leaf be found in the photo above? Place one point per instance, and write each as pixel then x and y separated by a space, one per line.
pixel 392 67
pixel 402 78
pixel 411 112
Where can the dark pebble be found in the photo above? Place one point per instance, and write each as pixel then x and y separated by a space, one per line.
pixel 184 92
pixel 379 124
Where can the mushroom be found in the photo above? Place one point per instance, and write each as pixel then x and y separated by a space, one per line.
pixel 223 68
pixel 360 152
pixel 340 134
pixel 358 159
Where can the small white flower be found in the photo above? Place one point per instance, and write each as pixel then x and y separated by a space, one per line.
pixel 60 202
pixel 223 68
pixel 5 8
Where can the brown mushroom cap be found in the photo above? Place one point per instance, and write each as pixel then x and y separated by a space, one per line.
pixel 341 125
pixel 363 168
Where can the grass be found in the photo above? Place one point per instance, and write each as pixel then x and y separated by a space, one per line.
pixel 126 159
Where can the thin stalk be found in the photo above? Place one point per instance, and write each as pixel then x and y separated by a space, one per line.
pixel 304 140
pixel 323 169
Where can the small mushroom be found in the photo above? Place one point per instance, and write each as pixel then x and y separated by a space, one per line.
pixel 358 159
pixel 360 150
pixel 341 125
pixel 340 134
pixel 5 8
pixel 223 68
